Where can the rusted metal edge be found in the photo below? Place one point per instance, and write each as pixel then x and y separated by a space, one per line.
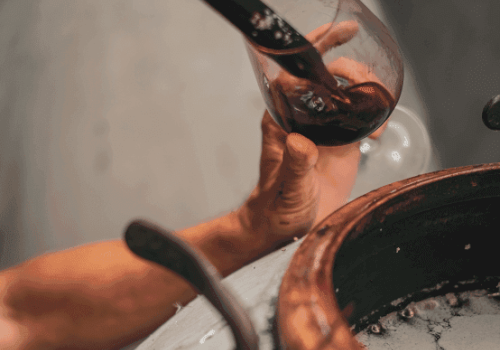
pixel 308 315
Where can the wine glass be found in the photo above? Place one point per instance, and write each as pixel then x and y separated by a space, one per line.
pixel 358 52
pixel 403 150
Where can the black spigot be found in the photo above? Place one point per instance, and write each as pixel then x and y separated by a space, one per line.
pixel 491 113
pixel 164 248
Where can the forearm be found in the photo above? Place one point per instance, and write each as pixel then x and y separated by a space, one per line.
pixel 102 296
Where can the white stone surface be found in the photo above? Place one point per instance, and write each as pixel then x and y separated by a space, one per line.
pixel 199 326
pixel 442 326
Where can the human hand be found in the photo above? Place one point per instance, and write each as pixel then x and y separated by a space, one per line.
pixel 298 99
pixel 301 183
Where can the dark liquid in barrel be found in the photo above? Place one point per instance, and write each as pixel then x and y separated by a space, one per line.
pixel 334 122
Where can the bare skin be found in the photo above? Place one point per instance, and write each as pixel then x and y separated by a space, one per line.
pixel 101 296
pixel 287 90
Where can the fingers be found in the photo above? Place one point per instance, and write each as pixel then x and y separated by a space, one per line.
pixel 325 37
pixel 273 144
pixel 331 159
pixel 336 171
pixel 329 35
pixel 271 131
pixel 353 71
pixel 297 179
pixel 317 33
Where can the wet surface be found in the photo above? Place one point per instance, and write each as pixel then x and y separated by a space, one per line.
pixel 454 321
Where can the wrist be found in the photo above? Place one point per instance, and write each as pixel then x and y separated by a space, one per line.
pixel 226 241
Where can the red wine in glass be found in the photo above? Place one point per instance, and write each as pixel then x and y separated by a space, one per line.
pixel 331 109
pixel 325 118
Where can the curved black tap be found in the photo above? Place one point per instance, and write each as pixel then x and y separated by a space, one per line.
pixel 491 113
pixel 164 248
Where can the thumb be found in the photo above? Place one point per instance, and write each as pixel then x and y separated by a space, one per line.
pixel 297 181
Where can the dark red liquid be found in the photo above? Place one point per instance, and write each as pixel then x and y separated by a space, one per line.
pixel 327 120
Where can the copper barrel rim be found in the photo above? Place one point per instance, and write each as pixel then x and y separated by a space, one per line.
pixel 308 316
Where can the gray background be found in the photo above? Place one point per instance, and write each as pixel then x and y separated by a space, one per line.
pixel 111 110
pixel 454 49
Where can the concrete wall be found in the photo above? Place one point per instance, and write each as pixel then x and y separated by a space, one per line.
pixel 111 110
pixel 454 50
